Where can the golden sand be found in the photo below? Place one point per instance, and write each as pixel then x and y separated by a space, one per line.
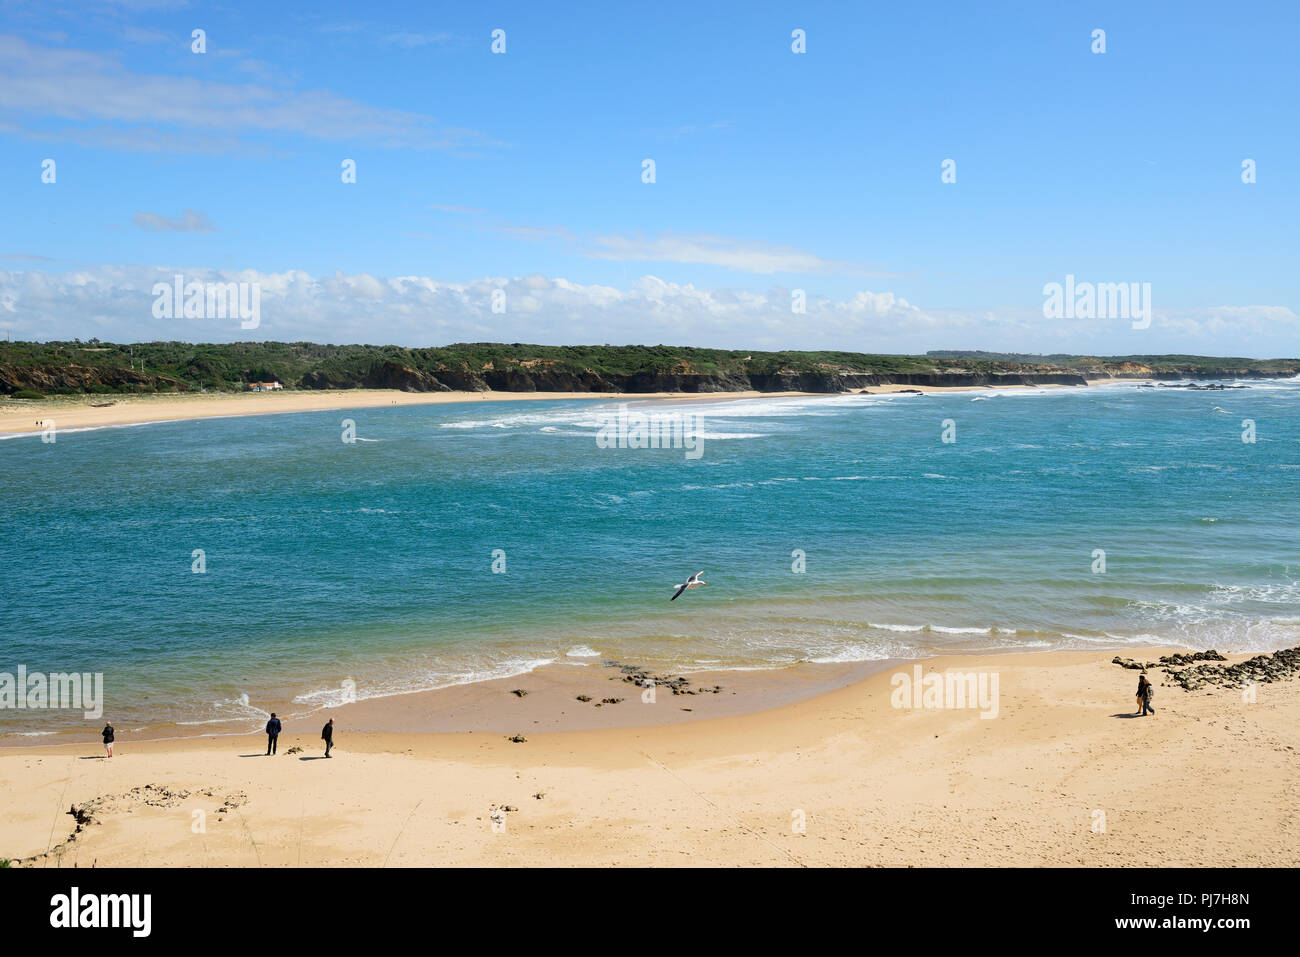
pixel 1062 776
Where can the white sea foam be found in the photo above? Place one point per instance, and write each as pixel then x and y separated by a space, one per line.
pixel 416 683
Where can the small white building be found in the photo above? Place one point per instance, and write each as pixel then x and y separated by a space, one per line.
pixel 264 386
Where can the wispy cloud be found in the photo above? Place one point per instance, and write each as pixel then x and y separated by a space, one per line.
pixel 146 35
pixel 695 249
pixel 372 31
pixel 740 255
pixel 189 221
pixel 143 5
pixel 65 93
pixel 417 39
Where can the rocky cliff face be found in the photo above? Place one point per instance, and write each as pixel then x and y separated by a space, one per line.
pixel 381 375
pixel 965 379
pixel 47 379
pixel 521 379
pixel 546 376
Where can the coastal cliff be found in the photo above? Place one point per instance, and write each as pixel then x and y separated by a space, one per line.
pixel 32 370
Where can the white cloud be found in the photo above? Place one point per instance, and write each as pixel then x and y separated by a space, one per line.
pixel 115 303
pixel 72 88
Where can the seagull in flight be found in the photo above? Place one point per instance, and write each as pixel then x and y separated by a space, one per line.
pixel 692 582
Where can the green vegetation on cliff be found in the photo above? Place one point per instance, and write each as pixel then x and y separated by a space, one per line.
pixel 53 368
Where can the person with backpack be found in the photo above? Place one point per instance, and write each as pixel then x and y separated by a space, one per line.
pixel 1144 693
pixel 327 735
pixel 272 734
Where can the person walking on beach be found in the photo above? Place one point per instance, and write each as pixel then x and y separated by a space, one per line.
pixel 327 735
pixel 272 733
pixel 1144 693
pixel 108 737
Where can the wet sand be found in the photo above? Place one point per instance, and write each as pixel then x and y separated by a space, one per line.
pixel 1063 775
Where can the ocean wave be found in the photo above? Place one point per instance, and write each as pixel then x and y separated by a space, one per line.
pixel 942 629
pixel 230 709
pixel 849 655
pixel 322 698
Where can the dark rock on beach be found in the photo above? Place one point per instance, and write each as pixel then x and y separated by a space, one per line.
pixel 1192 672
pixel 1131 664
pixel 644 678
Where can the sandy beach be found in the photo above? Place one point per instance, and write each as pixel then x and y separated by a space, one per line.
pixel 75 412
pixel 1063 775
pixel 90 411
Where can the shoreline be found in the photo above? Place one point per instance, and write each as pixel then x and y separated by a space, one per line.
pixel 866 783
pixel 76 412
pixel 489 704
pixel 550 703
pixel 18 417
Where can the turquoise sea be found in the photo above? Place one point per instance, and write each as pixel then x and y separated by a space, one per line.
pixel 373 561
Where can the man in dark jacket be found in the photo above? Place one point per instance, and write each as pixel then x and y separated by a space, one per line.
pixel 327 735
pixel 272 733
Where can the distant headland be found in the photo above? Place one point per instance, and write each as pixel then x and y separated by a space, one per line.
pixel 38 369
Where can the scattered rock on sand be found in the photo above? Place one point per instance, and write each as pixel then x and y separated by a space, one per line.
pixel 1131 664
pixel 1191 673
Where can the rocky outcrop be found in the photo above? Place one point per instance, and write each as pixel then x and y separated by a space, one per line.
pixel 79 378
pixel 1192 672
pixel 862 381
pixel 1133 371
pixel 381 375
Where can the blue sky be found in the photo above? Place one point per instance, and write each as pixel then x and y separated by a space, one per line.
pixel 775 171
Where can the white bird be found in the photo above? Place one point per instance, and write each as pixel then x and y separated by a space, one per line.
pixel 692 582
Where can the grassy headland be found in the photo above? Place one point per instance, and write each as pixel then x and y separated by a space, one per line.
pixel 34 369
